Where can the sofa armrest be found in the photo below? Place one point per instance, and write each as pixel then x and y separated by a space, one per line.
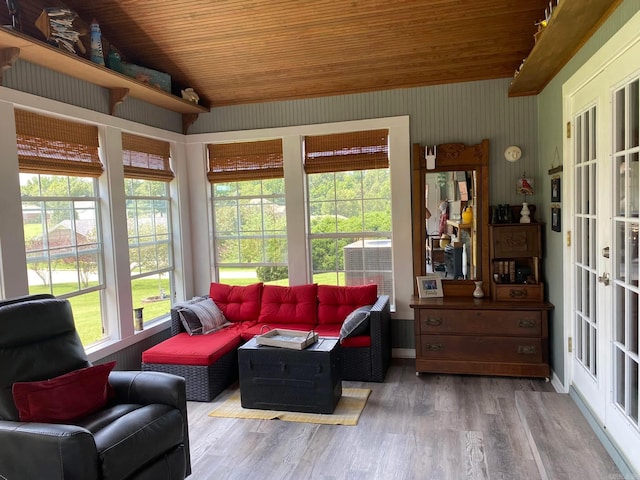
pixel 380 330
pixel 42 450
pixel 146 388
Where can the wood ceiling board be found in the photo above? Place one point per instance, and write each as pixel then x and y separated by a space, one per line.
pixel 309 48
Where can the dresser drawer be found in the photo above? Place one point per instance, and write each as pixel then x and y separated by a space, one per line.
pixel 523 323
pixel 484 349
pixel 525 292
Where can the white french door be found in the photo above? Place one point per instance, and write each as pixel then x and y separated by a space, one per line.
pixel 604 206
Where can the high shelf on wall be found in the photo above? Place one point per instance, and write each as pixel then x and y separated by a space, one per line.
pixel 570 26
pixel 15 45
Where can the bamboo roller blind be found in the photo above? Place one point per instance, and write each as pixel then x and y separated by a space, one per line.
pixel 233 162
pixel 341 152
pixel 48 145
pixel 146 158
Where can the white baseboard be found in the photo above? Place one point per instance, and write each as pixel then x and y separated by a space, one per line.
pixel 557 384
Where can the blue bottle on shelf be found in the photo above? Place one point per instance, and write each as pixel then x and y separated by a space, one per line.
pixel 96 44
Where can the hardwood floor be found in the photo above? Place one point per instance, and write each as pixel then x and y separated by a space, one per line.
pixel 427 427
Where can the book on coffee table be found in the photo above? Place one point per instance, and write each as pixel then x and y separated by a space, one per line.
pixel 293 339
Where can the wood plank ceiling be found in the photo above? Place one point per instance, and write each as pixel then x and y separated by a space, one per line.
pixel 246 51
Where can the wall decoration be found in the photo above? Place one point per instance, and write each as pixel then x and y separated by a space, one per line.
pixel 429 286
pixel 555 189
pixel 556 219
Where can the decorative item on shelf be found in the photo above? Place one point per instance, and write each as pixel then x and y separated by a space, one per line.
pixel 190 94
pixel 159 80
pixel 97 55
pixel 467 215
pixel 114 60
pixel 57 26
pixel 14 12
pixel 478 292
pixel 524 187
pixel 138 323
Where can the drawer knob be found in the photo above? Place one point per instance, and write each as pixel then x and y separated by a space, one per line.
pixel 526 324
pixel 433 322
pixel 433 346
pixel 527 349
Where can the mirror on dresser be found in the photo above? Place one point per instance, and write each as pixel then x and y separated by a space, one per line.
pixel 459 179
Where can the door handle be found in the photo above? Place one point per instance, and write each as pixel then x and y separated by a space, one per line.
pixel 604 278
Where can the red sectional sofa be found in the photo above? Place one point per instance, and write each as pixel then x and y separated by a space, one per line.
pixel 209 362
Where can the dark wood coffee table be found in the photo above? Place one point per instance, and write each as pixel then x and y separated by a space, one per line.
pixel 308 380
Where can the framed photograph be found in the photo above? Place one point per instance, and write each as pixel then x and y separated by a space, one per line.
pixel 556 219
pixel 555 189
pixel 429 286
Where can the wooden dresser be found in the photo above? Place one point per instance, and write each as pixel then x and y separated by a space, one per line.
pixel 481 336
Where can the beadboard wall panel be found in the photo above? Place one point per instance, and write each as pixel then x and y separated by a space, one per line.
pixel 34 79
pixel 462 112
pixel 130 358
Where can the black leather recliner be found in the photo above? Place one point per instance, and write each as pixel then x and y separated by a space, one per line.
pixel 142 432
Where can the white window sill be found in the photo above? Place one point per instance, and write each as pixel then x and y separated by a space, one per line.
pixel 109 347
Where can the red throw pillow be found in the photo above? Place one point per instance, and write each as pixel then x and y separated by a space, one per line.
pixel 336 302
pixel 238 303
pixel 297 304
pixel 64 398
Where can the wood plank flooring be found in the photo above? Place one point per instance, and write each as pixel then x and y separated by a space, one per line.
pixel 554 423
pixel 427 427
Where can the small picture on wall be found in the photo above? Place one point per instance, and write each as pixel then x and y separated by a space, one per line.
pixel 555 189
pixel 556 217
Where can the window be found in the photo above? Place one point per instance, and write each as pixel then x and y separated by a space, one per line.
pixel 250 228
pixel 59 166
pixel 147 175
pixel 349 208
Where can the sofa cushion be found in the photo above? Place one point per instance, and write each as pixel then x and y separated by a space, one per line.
pixel 356 323
pixel 336 302
pixel 202 318
pixel 183 349
pixel 333 330
pixel 64 398
pixel 288 305
pixel 238 303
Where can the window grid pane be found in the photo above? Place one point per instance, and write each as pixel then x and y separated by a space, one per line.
pixel 150 246
pixel 64 245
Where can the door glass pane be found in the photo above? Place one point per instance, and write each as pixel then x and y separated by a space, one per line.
pixel 633 390
pixel 633 321
pixel 620 173
pixel 634 185
pixel 619 270
pixel 619 382
pixel 634 119
pixel 619 125
pixel 620 314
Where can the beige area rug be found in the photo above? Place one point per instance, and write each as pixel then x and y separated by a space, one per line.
pixel 347 411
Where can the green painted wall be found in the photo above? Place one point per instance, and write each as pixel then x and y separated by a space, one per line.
pixel 550 137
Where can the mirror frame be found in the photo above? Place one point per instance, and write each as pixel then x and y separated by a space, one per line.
pixel 452 157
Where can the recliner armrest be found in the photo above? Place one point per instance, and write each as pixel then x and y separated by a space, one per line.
pixel 146 388
pixel 43 450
